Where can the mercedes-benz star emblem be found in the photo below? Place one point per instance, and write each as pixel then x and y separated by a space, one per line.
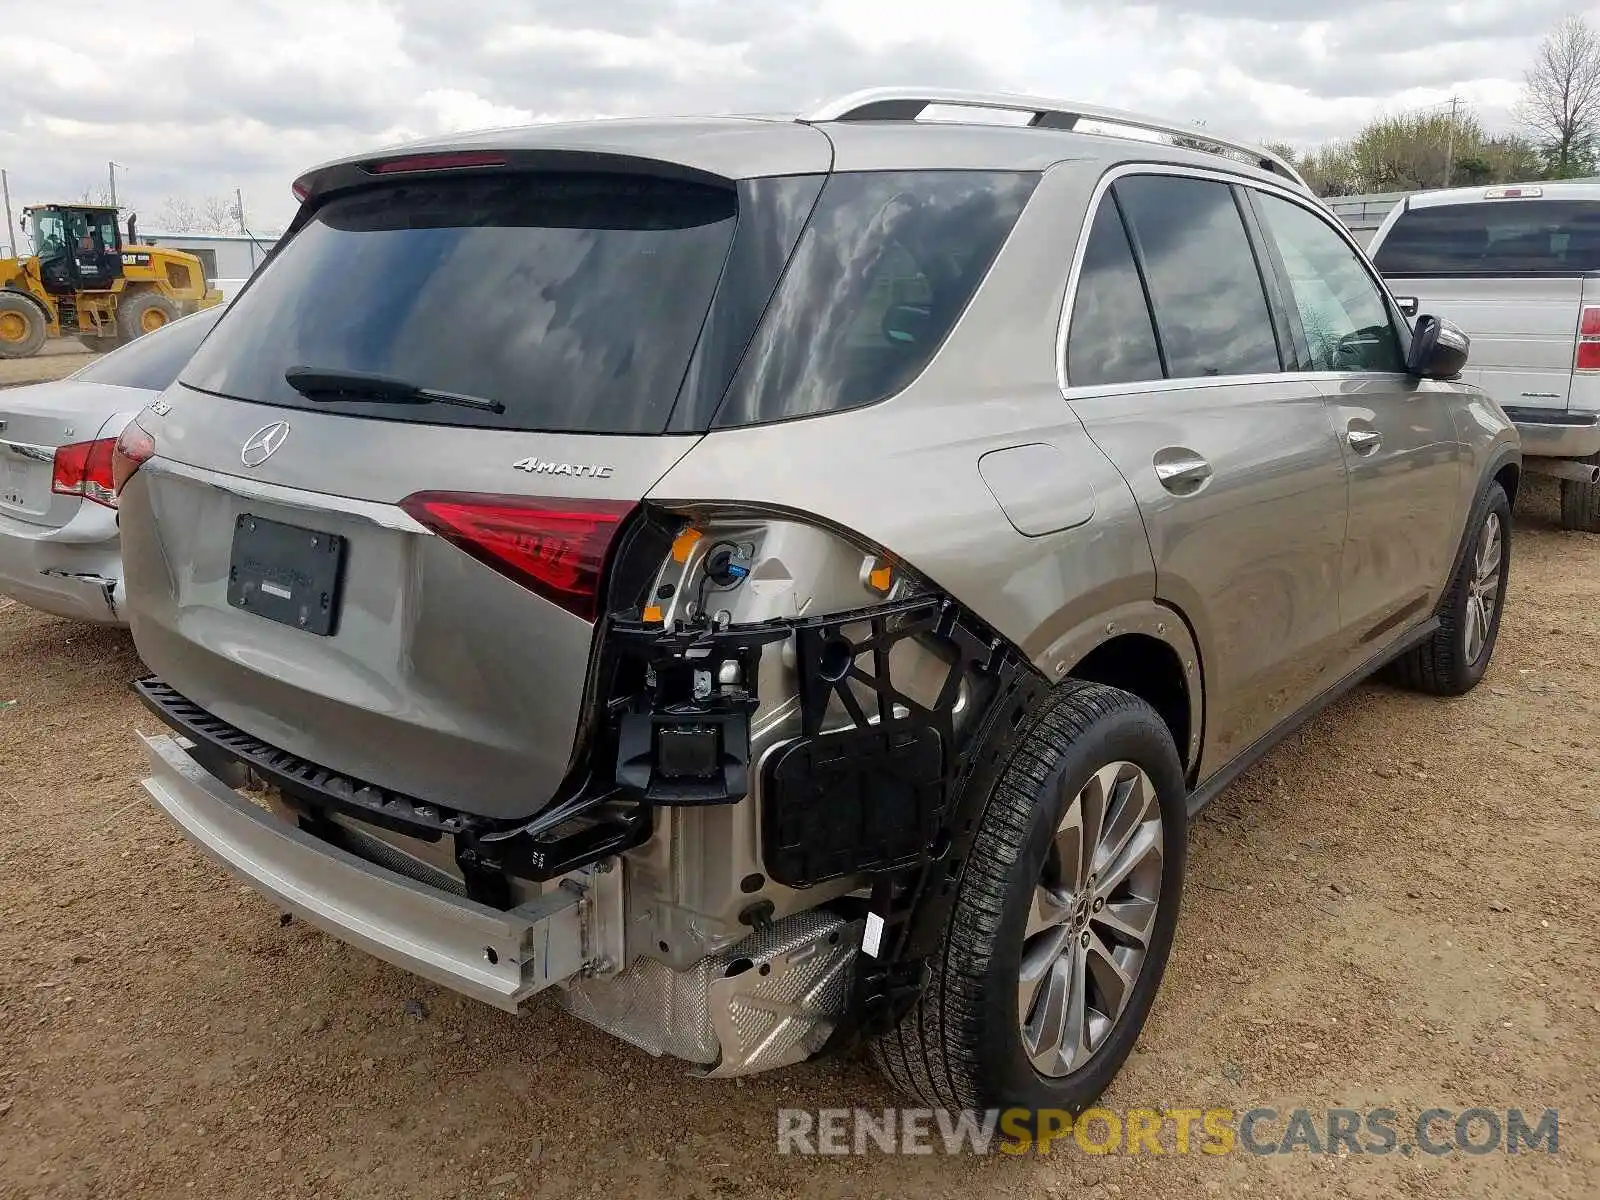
pixel 264 443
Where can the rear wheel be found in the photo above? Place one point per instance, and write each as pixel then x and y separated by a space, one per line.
pixel 22 326
pixel 1454 659
pixel 144 312
pixel 1580 503
pixel 1064 917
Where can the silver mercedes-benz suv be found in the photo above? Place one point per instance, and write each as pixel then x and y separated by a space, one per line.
pixel 780 585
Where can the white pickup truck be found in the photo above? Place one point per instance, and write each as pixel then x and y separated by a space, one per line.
pixel 1517 268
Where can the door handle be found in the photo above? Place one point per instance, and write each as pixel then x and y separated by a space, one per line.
pixel 1182 472
pixel 1364 441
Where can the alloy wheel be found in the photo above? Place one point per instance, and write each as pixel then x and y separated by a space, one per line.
pixel 1091 919
pixel 1483 589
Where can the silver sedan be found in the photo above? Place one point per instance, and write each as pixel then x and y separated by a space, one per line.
pixel 59 549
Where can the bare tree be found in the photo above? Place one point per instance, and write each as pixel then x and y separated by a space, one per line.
pixel 1561 98
pixel 179 215
pixel 217 214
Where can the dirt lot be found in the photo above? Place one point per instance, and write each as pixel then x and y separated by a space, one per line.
pixel 1398 909
pixel 60 356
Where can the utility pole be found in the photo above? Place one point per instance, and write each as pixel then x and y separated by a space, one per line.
pixel 111 172
pixel 238 198
pixel 1450 143
pixel 11 229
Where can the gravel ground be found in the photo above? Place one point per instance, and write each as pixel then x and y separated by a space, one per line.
pixel 59 357
pixel 1397 908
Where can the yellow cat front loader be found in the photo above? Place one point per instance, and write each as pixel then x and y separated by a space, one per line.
pixel 83 281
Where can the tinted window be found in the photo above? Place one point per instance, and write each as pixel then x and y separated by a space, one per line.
pixel 1344 315
pixel 1210 307
pixel 153 361
pixel 1110 339
pixel 1501 237
pixel 573 299
pixel 880 275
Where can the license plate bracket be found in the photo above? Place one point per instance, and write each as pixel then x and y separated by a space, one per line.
pixel 286 573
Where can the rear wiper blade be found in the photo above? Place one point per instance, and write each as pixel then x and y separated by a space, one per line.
pixel 324 385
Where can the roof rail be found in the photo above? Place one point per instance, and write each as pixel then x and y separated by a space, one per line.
pixel 908 104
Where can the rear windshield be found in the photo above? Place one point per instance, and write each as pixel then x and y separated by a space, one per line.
pixel 153 361
pixel 575 300
pixel 1501 237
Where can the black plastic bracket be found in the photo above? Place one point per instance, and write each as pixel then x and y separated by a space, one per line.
pixel 683 728
pixel 916 900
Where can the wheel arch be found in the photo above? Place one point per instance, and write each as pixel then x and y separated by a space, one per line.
pixel 1145 648
pixel 1508 475
pixel 1504 467
pixel 44 311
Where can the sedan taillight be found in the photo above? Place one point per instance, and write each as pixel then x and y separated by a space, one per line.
pixel 84 469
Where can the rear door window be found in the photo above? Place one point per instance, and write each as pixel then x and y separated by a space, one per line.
pixel 1342 310
pixel 1110 339
pixel 885 267
pixel 573 299
pixel 1205 286
pixel 1493 237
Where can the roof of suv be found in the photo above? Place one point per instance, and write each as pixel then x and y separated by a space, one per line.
pixel 882 129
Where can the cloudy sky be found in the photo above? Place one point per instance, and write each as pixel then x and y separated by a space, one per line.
pixel 197 98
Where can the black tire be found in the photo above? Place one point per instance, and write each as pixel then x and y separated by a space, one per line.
pixel 961 1045
pixel 1580 503
pixel 1443 665
pixel 22 326
pixel 99 345
pixel 144 312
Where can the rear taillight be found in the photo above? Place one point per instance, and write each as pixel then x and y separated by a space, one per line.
pixel 132 450
pixel 555 548
pixel 84 469
pixel 1588 354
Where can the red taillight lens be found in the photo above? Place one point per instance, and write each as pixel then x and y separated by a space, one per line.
pixel 555 548
pixel 84 469
pixel 300 189
pixel 132 450
pixel 436 162
pixel 1587 357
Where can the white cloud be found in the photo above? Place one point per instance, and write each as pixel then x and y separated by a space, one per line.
pixel 197 97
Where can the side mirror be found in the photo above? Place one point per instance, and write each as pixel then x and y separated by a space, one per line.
pixel 1438 349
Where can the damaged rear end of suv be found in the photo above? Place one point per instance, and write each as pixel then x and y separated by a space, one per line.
pixel 454 673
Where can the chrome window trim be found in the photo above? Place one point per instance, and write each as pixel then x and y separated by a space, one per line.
pixel 1285 192
pixel 1091 391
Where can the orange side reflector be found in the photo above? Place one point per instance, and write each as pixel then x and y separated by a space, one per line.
pixel 880 579
pixel 652 614
pixel 683 545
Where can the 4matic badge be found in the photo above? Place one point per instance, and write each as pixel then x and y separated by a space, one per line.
pixel 540 466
